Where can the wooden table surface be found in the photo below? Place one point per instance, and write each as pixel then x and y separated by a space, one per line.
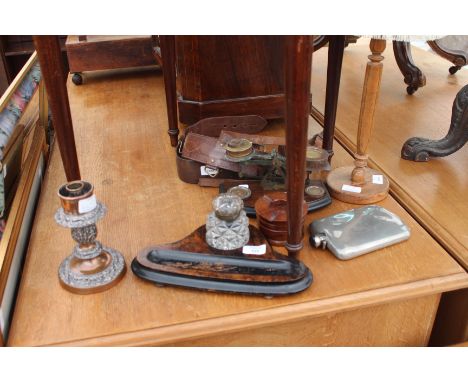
pixel 120 129
pixel 435 191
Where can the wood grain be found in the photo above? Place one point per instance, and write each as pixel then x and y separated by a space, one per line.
pixel 298 65
pixel 230 75
pixel 433 192
pixel 125 153
pixel 109 52
pixel 375 326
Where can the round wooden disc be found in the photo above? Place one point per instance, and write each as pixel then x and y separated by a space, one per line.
pixel 275 225
pixel 370 192
pixel 273 208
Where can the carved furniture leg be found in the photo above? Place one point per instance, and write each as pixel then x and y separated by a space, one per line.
pixel 350 39
pixel 335 60
pixel 421 149
pixel 55 78
pixel 320 42
pixel 168 55
pixel 366 189
pixel 458 58
pixel 413 76
pixel 298 64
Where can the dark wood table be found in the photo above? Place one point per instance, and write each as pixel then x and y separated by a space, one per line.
pixel 297 72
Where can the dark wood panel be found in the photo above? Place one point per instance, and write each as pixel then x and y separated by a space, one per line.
pixel 451 324
pixel 269 107
pixel 112 54
pixel 231 70
pixel 15 51
pixel 298 52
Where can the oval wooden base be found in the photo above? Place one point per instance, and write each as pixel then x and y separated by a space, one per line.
pixel 191 263
pixel 370 192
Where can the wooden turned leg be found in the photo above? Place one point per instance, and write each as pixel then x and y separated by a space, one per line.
pixel 367 185
pixel 55 78
pixel 458 58
pixel 168 56
pixel 413 76
pixel 421 149
pixel 298 63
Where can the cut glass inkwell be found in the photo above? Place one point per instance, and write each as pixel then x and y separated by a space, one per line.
pixel 227 227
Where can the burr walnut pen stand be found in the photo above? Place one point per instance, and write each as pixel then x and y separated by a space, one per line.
pixel 216 257
pixel 91 267
pixel 360 184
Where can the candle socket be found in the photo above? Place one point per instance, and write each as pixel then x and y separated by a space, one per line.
pixel 91 267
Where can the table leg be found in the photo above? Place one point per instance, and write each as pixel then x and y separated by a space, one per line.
pixel 335 61
pixel 168 56
pixel 55 79
pixel 298 64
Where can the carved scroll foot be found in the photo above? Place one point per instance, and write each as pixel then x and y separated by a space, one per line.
pixel 421 149
pixel 458 58
pixel 413 76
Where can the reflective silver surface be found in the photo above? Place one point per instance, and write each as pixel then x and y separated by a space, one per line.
pixel 358 231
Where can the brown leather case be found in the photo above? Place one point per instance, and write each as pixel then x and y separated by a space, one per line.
pixel 206 150
pixel 188 168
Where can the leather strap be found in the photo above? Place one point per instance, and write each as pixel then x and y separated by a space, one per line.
pixel 212 127
pixel 261 140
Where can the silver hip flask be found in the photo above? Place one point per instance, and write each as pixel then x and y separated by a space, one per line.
pixel 358 231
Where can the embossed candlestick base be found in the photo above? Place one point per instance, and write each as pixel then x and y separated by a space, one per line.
pixel 91 267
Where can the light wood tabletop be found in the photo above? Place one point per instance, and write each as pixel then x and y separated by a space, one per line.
pixel 123 148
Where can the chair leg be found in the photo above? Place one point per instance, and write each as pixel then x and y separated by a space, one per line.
pixel 168 56
pixel 421 149
pixel 320 42
pixel 458 58
pixel 413 76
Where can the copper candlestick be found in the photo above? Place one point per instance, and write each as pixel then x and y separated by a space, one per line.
pixel 91 267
